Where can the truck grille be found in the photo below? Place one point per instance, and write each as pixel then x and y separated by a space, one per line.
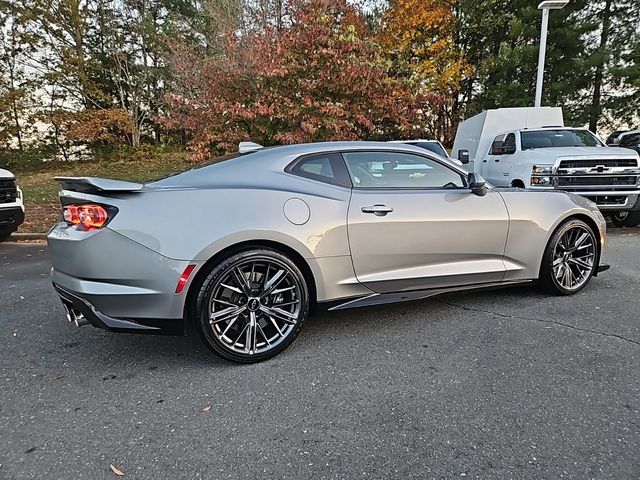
pixel 608 200
pixel 596 180
pixel 8 191
pixel 593 163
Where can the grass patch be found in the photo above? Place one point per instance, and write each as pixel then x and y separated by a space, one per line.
pixel 41 191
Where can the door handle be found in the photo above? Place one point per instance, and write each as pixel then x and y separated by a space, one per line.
pixel 497 160
pixel 378 210
pixel 484 161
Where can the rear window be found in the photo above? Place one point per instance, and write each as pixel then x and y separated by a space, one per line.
pixel 432 147
pixel 205 163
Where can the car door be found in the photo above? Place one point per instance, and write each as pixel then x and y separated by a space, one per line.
pixel 491 163
pixel 414 224
pixel 500 161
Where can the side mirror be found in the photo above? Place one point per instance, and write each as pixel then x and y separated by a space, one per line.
pixel 477 184
pixel 463 156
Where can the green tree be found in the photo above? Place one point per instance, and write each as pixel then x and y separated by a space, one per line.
pixel 612 63
pixel 16 86
pixel 501 39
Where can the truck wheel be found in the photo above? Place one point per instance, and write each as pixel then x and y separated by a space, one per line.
pixel 625 219
pixel 569 260
pixel 5 234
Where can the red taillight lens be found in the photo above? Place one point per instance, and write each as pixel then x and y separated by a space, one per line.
pixel 89 216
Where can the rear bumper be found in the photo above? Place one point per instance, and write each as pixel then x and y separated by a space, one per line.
pixel 11 217
pixel 79 309
pixel 116 283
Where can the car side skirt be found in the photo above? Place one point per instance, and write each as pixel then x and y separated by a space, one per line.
pixel 396 297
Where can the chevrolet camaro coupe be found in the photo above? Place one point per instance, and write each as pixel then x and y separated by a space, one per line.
pixel 246 247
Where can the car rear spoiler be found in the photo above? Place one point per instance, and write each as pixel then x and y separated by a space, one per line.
pixel 96 184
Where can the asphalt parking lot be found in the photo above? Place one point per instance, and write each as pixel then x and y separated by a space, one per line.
pixel 499 384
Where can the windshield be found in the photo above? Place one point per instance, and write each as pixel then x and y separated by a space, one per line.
pixel 432 147
pixel 558 138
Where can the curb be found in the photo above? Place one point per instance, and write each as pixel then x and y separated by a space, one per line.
pixel 17 237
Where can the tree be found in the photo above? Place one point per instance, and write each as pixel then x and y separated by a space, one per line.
pixel 612 62
pixel 319 77
pixel 15 83
pixel 501 39
pixel 419 38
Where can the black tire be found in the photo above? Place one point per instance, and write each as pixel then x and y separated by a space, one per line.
pixel 556 256
pixel 626 219
pixel 5 234
pixel 266 306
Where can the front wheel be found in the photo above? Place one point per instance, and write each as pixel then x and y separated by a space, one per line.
pixel 625 219
pixel 569 259
pixel 252 305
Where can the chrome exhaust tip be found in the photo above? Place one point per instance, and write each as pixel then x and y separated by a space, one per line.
pixel 80 320
pixel 74 316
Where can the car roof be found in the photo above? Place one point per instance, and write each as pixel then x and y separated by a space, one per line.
pixel 267 161
pixel 322 147
pixel 628 132
pixel 550 127
pixel 414 141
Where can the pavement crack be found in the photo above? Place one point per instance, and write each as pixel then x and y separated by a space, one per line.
pixel 540 320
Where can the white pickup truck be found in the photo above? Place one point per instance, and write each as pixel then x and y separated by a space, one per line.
pixel 11 205
pixel 531 148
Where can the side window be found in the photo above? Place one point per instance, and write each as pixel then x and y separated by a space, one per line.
pixel 496 145
pixel 323 167
pixel 316 166
pixel 399 170
pixel 509 144
pixel 630 140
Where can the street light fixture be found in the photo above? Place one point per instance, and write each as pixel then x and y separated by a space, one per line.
pixel 545 6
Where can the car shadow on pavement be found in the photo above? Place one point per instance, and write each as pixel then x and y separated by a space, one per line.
pixel 94 349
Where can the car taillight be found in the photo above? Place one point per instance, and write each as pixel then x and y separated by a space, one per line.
pixel 89 216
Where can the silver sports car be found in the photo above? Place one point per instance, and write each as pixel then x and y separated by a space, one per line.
pixel 246 247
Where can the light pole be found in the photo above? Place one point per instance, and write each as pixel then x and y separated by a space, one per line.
pixel 545 7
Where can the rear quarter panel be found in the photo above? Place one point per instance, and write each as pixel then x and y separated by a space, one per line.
pixel 195 224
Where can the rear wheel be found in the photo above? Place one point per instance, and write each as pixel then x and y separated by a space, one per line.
pixel 569 259
pixel 251 306
pixel 625 219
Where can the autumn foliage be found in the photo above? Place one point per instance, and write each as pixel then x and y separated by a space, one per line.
pixel 320 76
pixel 110 125
pixel 419 39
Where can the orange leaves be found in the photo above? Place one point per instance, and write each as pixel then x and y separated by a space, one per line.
pixel 419 34
pixel 108 125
